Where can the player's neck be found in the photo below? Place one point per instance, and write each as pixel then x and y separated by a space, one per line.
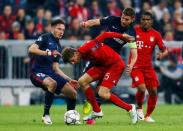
pixel 54 36
pixel 144 29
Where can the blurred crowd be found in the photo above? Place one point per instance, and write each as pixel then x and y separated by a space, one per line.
pixel 27 19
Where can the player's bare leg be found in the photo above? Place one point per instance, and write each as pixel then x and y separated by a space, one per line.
pixel 105 93
pixel 50 84
pixel 70 94
pixel 151 103
pixel 140 100
pixel 84 83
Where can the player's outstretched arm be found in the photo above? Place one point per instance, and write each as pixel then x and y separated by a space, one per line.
pixel 90 23
pixel 57 69
pixel 34 49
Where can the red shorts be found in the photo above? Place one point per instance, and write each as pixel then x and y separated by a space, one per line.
pixel 144 76
pixel 108 76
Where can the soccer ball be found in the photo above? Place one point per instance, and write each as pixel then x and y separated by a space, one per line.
pixel 72 117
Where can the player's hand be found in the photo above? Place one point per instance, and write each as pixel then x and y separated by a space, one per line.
pixel 83 24
pixel 159 56
pixel 74 83
pixel 53 53
pixel 129 69
pixel 128 38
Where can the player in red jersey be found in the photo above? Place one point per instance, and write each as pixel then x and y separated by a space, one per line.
pixel 143 75
pixel 108 68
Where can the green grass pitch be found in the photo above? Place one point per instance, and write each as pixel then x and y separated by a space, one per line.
pixel 28 118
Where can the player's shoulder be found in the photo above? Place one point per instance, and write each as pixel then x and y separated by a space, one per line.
pixel 112 18
pixel 155 32
pixel 44 36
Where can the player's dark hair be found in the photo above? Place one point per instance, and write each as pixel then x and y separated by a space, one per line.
pixel 147 14
pixel 56 21
pixel 67 54
pixel 129 12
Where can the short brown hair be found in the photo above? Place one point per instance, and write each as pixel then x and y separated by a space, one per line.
pixel 67 54
pixel 57 20
pixel 129 12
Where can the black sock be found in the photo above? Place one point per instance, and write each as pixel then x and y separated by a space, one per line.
pixel 48 102
pixel 71 103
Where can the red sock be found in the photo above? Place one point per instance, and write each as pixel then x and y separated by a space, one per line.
pixel 151 103
pixel 139 99
pixel 91 98
pixel 117 101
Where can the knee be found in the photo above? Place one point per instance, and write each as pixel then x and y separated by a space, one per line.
pixel 73 94
pixel 142 89
pixel 52 86
pixel 153 92
pixel 82 83
pixel 104 95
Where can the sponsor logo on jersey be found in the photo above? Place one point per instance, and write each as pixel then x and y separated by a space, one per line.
pixel 118 40
pixel 140 44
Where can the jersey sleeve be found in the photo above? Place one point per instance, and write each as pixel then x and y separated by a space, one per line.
pixel 41 40
pixel 160 43
pixel 107 20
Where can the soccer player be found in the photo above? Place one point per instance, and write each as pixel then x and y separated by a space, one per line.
pixel 123 24
pixel 143 75
pixel 45 71
pixel 108 68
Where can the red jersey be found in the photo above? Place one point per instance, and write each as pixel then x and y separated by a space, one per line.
pixel 98 53
pixel 146 42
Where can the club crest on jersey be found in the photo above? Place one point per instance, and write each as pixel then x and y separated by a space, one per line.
pixel 114 81
pixel 114 27
pixel 136 78
pixel 151 38
pixel 137 36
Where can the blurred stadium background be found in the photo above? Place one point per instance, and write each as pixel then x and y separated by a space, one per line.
pixel 22 21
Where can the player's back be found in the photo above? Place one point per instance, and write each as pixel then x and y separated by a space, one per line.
pixel 99 53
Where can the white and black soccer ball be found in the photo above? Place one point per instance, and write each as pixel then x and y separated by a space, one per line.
pixel 72 117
